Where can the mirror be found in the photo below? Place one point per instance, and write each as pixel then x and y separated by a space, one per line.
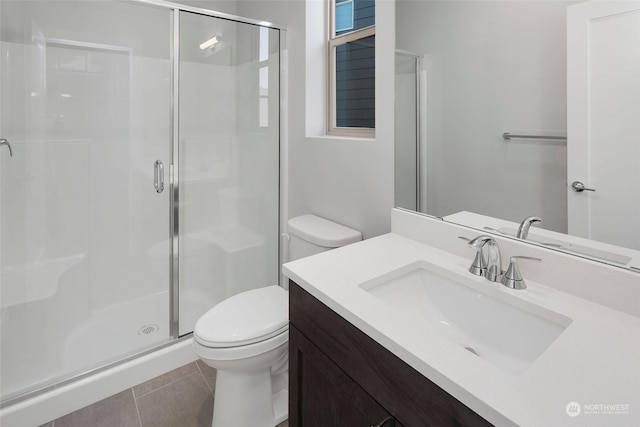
pixel 469 72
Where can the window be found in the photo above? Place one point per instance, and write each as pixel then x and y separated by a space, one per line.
pixel 351 99
pixel 344 15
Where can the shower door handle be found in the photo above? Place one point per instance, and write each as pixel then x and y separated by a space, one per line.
pixel 158 176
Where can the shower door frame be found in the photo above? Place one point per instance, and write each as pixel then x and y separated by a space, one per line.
pixel 174 168
pixel 174 188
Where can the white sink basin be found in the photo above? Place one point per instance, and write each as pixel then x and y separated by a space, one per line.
pixel 506 331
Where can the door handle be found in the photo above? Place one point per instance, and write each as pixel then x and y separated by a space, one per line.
pixel 158 176
pixel 6 142
pixel 579 187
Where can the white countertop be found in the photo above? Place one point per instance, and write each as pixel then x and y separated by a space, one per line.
pixel 595 361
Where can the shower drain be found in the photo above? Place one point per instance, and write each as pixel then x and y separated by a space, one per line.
pixel 148 329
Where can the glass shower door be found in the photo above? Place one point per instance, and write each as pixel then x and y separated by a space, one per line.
pixel 229 137
pixel 84 234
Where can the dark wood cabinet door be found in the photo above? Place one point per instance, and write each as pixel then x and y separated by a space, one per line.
pixel 389 382
pixel 322 395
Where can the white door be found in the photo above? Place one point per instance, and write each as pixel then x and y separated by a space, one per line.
pixel 603 103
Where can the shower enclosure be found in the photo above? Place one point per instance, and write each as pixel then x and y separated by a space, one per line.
pixel 139 182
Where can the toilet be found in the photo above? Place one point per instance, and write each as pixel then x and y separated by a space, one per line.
pixel 246 337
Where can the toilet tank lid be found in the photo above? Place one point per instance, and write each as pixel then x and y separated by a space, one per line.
pixel 322 232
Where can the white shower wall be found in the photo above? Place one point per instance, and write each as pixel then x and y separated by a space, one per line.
pixel 78 213
pixel 78 165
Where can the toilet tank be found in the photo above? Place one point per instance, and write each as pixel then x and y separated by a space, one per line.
pixel 310 235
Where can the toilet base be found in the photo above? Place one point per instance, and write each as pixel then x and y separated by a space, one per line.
pixel 281 406
pixel 247 399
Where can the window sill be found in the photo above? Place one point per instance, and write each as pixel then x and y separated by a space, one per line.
pixel 339 138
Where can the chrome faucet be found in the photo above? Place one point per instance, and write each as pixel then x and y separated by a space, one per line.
pixel 492 270
pixel 523 230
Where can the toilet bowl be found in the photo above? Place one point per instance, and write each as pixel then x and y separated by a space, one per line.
pixel 246 337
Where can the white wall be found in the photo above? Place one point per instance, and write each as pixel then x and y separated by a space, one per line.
pixel 349 181
pixel 493 66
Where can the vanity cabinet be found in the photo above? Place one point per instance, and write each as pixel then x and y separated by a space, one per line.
pixel 340 377
pixel 327 396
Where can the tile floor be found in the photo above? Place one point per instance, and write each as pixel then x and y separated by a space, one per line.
pixel 180 398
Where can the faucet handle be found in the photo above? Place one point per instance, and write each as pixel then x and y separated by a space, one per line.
pixel 512 277
pixel 479 265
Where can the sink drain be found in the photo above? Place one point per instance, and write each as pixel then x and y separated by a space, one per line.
pixel 148 329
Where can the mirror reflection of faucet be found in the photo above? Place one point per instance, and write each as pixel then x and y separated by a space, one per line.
pixel 523 230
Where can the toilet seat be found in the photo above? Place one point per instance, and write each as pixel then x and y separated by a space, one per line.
pixel 237 355
pixel 246 318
